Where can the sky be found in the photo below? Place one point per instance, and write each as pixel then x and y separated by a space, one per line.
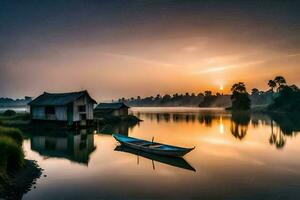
pixel 120 48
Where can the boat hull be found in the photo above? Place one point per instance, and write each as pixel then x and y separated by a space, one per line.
pixel 173 153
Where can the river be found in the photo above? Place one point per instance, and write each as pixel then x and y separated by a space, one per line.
pixel 237 156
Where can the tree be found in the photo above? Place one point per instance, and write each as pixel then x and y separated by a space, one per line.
pixel 255 92
pixel 261 92
pixel 175 95
pixel 207 93
pixel 166 97
pixel 272 85
pixel 280 81
pixel 239 87
pixel 294 88
pixel 240 98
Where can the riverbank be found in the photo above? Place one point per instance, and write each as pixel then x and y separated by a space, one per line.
pixel 14 184
pixel 17 175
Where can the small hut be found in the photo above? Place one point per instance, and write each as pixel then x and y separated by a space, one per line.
pixel 72 107
pixel 111 109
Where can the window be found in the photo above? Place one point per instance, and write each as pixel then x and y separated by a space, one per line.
pixel 50 110
pixel 81 108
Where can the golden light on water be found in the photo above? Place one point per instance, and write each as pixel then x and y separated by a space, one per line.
pixel 221 128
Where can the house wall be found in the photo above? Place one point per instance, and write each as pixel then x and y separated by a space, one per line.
pixel 120 112
pixel 38 112
pixel 84 100
pixel 110 112
pixel 61 113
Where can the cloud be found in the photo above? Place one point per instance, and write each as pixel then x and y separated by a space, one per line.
pixel 243 64
pixel 137 59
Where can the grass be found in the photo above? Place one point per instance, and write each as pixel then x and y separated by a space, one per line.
pixel 16 174
pixel 12 155
pixel 17 119
pixel 13 133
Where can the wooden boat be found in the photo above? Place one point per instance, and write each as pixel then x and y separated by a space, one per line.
pixel 172 161
pixel 152 147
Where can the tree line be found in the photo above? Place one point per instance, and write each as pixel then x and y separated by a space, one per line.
pixel 177 99
pixel 240 99
pixel 283 97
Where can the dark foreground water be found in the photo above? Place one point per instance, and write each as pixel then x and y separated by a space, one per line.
pixel 236 157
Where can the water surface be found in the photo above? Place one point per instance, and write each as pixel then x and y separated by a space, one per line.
pixel 236 157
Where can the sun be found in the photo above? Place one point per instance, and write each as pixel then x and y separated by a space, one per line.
pixel 221 87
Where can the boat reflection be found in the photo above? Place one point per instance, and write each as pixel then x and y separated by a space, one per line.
pixel 75 147
pixel 175 162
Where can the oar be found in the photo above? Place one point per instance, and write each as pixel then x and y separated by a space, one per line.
pixel 153 166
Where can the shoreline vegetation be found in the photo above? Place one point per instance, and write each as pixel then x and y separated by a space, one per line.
pixel 17 175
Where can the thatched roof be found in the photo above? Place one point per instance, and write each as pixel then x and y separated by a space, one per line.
pixel 58 99
pixel 112 106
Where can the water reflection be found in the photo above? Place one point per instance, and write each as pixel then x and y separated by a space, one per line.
pixel 281 125
pixel 287 126
pixel 176 162
pixel 120 128
pixel 204 117
pixel 239 124
pixel 75 147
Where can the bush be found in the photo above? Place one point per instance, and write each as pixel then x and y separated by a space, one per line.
pixel 13 133
pixel 12 155
pixel 25 117
pixel 9 113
